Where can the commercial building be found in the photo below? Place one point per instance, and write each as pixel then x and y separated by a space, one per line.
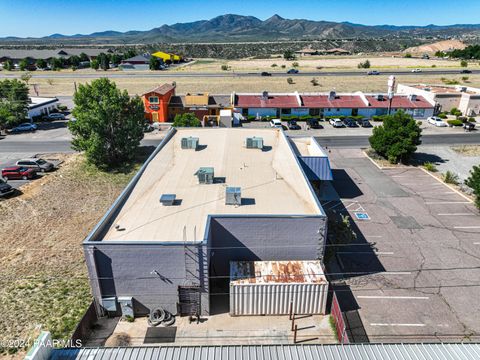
pixel 168 58
pixel 445 98
pixel 204 198
pixel 156 102
pixel 40 106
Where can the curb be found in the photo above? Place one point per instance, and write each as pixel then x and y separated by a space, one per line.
pixel 378 166
pixel 447 185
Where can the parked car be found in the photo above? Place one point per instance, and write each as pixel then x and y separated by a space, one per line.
pixel 276 123
pixel 292 125
pixel 39 165
pixel 55 116
pixel 435 120
pixel 5 189
pixel 350 123
pixel 336 123
pixel 416 70
pixel 365 123
pixel 25 127
pixel 18 173
pixel 465 71
pixel 292 71
pixel 266 74
pixel 373 72
pixel 314 124
pixel 468 126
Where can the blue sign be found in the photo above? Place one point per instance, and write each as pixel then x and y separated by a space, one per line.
pixel 362 216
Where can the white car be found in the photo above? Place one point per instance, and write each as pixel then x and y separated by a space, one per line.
pixel 416 70
pixel 337 123
pixel 435 120
pixel 276 123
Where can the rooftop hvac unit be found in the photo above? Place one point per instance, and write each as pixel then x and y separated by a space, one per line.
pixel 233 196
pixel 379 97
pixel 254 143
pixel 332 95
pixel 167 199
pixel 190 143
pixel 205 175
pixel 412 97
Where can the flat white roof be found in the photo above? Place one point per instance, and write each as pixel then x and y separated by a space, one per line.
pixel 271 182
pixel 307 146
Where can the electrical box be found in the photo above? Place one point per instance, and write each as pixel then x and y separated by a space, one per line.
pixel 126 306
pixel 254 143
pixel 167 199
pixel 190 143
pixel 205 175
pixel 233 196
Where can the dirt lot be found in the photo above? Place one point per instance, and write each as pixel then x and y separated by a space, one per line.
pixel 226 85
pixel 43 279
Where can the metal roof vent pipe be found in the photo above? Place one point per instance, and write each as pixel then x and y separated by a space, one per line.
pixel 265 95
pixel 332 95
pixel 233 196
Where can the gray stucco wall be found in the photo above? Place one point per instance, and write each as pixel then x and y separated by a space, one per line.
pixel 128 270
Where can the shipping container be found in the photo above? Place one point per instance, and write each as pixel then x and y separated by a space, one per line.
pixel 268 287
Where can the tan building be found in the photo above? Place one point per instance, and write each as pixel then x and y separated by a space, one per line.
pixel 464 98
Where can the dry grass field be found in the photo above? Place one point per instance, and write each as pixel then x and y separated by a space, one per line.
pixel 43 278
pixel 226 85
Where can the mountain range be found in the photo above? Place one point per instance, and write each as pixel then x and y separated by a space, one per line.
pixel 238 28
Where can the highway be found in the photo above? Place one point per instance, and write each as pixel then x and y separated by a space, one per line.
pixel 225 74
pixel 28 146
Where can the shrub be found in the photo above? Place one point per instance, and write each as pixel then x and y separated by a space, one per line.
pixel 434 66
pixel 464 63
pixel 295 64
pixel 274 65
pixel 450 177
pixel 455 112
pixel 283 66
pixel 465 78
pixel 463 119
pixel 442 115
pixel 290 81
pixel 314 82
pixel 364 65
pixel 471 119
pixel 473 181
pixel 408 55
pixel 397 138
pixel 430 167
pixel 225 67
pixel 454 122
pixel 186 120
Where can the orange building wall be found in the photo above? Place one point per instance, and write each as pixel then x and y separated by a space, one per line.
pixel 161 109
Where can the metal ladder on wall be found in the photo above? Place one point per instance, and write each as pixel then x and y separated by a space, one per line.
pixel 189 292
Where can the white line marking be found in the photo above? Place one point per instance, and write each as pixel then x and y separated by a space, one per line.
pixel 457 214
pixel 396 273
pixel 393 297
pixel 366 252
pixel 385 324
pixel 466 227
pixel 478 243
pixel 373 236
pixel 447 202
pixel 447 185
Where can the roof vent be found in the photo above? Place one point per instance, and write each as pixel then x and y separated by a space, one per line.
pixel 379 97
pixel 190 143
pixel 205 175
pixel 254 143
pixel 265 95
pixel 332 95
pixel 167 199
pixel 233 196
pixel 412 97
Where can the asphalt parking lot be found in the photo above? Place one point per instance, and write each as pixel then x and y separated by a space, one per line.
pixel 415 268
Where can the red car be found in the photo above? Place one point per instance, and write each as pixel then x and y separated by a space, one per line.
pixel 18 172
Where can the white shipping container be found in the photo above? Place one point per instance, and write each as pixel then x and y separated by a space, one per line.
pixel 266 288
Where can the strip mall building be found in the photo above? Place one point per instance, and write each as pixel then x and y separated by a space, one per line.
pixel 162 104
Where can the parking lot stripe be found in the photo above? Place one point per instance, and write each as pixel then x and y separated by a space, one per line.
pixel 466 227
pixel 393 297
pixel 447 202
pixel 396 273
pixel 393 324
pixel 366 252
pixel 457 214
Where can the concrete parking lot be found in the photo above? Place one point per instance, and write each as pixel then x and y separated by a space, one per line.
pixel 414 269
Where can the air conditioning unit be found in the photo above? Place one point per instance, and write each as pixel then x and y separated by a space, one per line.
pixel 205 175
pixel 254 143
pixel 412 97
pixel 379 97
pixel 332 95
pixel 190 143
pixel 233 196
pixel 167 199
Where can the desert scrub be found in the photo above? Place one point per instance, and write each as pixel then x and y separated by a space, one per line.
pixel 430 167
pixel 450 178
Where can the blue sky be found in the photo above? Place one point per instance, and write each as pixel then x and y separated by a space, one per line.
pixel 44 17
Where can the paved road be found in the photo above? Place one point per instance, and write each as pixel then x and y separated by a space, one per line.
pixel 169 74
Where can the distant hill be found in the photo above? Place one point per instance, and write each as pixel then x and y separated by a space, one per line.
pixel 238 28
pixel 445 45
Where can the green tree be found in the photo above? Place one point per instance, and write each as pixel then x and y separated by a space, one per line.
pixel 94 64
pixel 464 63
pixel 397 138
pixel 295 64
pixel 186 120
pixel 26 76
pixel 364 65
pixel 154 63
pixel 289 55
pixel 8 65
pixel 56 64
pixel 474 182
pixel 408 55
pixel 13 102
pixel 290 81
pixel 84 57
pixel 41 64
pixel 109 123
pixel 116 59
pixel 23 64
pixel 74 61
pixel 104 61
